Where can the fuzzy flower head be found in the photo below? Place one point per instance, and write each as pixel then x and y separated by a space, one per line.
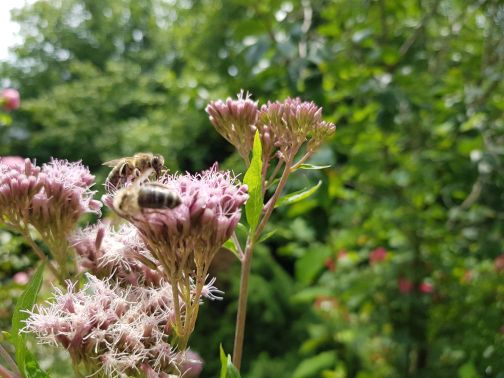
pixel 65 196
pixel 113 330
pixel 235 120
pixel 18 185
pixel 193 231
pixel 119 255
pixel 51 198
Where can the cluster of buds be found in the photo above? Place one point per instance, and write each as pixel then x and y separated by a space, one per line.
pixel 235 120
pixel 112 331
pixel 117 255
pixel 186 238
pixel 50 198
pixel 283 126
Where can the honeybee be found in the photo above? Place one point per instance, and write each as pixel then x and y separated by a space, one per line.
pixel 133 199
pixel 131 167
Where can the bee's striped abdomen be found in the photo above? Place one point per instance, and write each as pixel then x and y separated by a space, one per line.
pixel 157 197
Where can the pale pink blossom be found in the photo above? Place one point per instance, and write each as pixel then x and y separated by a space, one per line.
pixel 114 330
pixel 116 255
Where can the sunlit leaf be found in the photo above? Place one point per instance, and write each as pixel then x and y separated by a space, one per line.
pixel 297 196
pixel 253 179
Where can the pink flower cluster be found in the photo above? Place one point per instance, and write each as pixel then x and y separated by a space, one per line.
pixel 51 198
pixel 119 331
pixel 283 126
pixel 116 255
pixel 192 232
pixel 18 185
pixel 235 120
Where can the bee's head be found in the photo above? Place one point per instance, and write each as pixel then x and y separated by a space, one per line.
pixel 157 163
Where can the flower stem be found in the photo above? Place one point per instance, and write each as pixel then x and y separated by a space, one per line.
pixel 247 262
pixel 26 233
pixel 242 306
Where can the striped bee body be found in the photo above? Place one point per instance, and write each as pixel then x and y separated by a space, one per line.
pixel 157 196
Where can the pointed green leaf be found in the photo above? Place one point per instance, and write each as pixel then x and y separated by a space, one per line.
pixel 312 166
pixel 253 179
pixel 267 236
pixel 223 361
pixel 297 196
pixel 228 370
pixel 231 247
pixel 25 361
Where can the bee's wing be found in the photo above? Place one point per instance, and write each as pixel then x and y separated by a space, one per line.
pixel 112 163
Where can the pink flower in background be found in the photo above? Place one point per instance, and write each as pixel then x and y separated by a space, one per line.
pixel 21 278
pixel 342 254
pixel 378 255
pixel 426 288
pixel 330 264
pixel 499 263
pixel 405 285
pixel 10 99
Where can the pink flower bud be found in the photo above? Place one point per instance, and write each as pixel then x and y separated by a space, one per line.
pixel 192 365
pixel 10 99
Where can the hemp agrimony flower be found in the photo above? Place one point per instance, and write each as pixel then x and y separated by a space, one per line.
pixel 235 120
pixel 117 255
pixel 186 238
pixel 50 198
pixel 111 331
pixel 286 131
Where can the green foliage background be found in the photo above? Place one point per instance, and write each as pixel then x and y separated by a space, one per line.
pixel 415 88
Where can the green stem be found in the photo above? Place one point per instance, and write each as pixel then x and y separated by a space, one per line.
pixel 26 233
pixel 246 265
pixel 242 305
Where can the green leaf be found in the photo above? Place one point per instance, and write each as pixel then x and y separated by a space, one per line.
pixel 253 179
pixel 311 367
pixel 297 196
pixel 312 166
pixel 230 245
pixel 228 370
pixel 26 362
pixel 312 262
pixel 468 370
pixel 267 236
